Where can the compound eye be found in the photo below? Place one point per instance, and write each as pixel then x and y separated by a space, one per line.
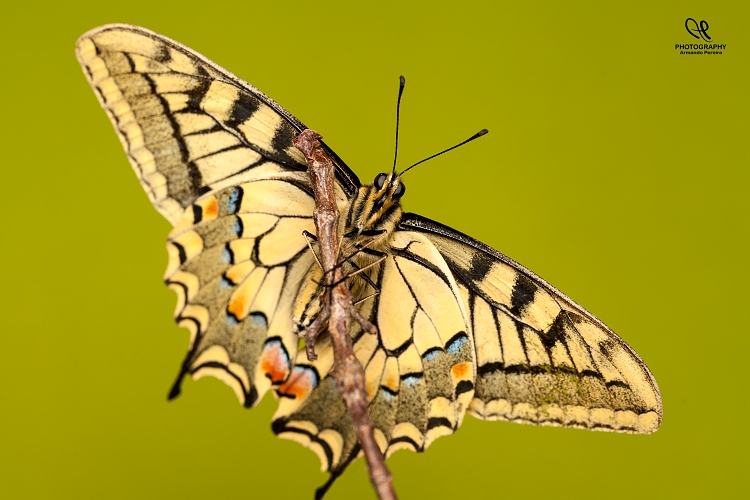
pixel 400 190
pixel 380 180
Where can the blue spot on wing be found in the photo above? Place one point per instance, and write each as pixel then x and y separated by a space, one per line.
pixel 234 200
pixel 225 283
pixel 259 318
pixel 456 343
pixel 387 395
pixel 227 255
pixel 410 381
pixel 431 353
pixel 231 319
pixel 238 227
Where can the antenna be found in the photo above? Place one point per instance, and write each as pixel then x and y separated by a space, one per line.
pixel 475 136
pixel 402 84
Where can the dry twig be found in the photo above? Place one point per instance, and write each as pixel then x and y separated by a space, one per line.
pixel 347 370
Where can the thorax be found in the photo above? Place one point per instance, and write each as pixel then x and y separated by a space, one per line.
pixel 366 226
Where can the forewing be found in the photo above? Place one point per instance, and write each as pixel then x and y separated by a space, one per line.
pixel 187 125
pixel 541 358
pixel 419 370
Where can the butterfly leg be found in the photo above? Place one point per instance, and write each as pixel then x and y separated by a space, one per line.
pixel 372 232
pixel 357 270
pixel 312 332
pixel 364 322
pixel 348 258
pixel 360 269
pixel 309 236
pixel 365 298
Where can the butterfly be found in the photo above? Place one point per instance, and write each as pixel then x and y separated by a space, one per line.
pixel 461 327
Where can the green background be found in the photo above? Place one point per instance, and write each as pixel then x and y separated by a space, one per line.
pixel 615 168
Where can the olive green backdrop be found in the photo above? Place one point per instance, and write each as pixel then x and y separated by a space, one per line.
pixel 615 168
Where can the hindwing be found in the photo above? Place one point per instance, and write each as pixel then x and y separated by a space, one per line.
pixel 237 260
pixel 541 358
pixel 419 369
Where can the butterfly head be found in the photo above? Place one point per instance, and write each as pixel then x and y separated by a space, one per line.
pixel 389 186
pixel 378 206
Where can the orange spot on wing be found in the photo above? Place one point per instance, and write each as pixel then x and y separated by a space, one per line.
pixel 237 306
pixel 212 208
pixel 460 370
pixel 274 363
pixel 299 384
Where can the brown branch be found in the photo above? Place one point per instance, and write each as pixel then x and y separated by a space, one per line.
pixel 347 370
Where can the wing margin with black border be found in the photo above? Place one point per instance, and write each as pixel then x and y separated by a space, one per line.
pixel 541 358
pixel 172 107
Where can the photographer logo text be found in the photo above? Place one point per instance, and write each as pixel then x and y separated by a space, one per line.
pixel 699 30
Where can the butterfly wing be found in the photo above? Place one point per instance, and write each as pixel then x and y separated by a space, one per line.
pixel 541 358
pixel 419 369
pixel 188 126
pixel 237 262
pixel 215 156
